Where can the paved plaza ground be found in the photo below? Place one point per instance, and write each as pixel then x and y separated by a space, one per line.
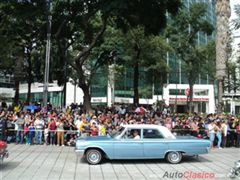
pixel 53 162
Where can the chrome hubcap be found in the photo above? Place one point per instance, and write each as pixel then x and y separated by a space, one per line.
pixel 174 156
pixel 94 157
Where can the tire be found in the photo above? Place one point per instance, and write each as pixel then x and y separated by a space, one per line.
pixel 94 156
pixel 174 157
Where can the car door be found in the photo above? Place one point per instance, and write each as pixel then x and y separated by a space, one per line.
pixel 154 143
pixel 127 147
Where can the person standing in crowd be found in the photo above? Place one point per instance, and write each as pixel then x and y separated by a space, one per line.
pixel 211 131
pixel 195 128
pixel 94 129
pixel 85 126
pixel 70 128
pixel 238 133
pixel 31 133
pixel 20 127
pixel 52 134
pixel 224 133
pixel 60 132
pixel 102 129
pixel 26 133
pixel 78 123
pixel 218 130
pixel 46 134
pixel 3 127
pixel 39 124
pixel 231 133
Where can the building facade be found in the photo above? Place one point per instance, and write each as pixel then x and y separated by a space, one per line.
pixel 6 88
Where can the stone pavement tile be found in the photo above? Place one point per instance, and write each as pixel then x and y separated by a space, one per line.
pixel 23 160
pixel 133 171
pixel 156 170
pixel 108 171
pixel 95 172
pixel 57 168
pixel 12 147
pixel 70 164
pixel 11 163
pixel 47 162
pixel 82 169
pixel 120 171
pixel 46 167
pixel 42 155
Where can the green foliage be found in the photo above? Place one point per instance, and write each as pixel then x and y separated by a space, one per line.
pixel 183 32
pixel 86 35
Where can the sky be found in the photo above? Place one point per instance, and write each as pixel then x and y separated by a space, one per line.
pixel 236 33
pixel 232 3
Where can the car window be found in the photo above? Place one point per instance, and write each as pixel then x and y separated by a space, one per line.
pixel 132 134
pixel 152 133
pixel 118 132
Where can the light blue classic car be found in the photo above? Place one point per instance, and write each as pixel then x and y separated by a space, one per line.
pixel 140 142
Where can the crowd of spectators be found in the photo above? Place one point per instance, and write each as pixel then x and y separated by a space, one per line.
pixel 61 127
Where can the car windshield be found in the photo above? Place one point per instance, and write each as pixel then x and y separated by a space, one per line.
pixel 117 133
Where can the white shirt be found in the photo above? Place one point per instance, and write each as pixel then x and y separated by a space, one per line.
pixel 225 129
pixel 211 128
pixel 137 137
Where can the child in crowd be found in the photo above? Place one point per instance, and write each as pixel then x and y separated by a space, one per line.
pixel 46 132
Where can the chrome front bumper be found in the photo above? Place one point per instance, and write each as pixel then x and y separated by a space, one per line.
pixel 80 152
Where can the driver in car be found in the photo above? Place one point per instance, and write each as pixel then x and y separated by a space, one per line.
pixel 136 135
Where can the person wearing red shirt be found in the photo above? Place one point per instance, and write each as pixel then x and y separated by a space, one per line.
pixel 94 129
pixel 238 133
pixel 52 129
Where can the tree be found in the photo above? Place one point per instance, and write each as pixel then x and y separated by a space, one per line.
pixel 183 32
pixel 151 16
pixel 81 26
pixel 22 24
pixel 147 52
pixel 223 12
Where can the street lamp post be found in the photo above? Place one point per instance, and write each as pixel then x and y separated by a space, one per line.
pixel 48 48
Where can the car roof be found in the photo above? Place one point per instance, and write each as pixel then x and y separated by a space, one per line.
pixel 165 131
pixel 147 126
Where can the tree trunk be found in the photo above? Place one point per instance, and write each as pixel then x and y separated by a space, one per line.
pixel 220 95
pixel 228 78
pixel 190 97
pixel 135 84
pixel 18 75
pixel 223 12
pixel 136 77
pixel 16 96
pixel 86 97
pixel 29 77
pixel 29 92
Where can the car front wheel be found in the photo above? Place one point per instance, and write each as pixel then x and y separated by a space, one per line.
pixel 93 156
pixel 174 157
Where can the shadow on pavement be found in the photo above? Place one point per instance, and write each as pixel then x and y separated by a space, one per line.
pixel 8 165
pixel 186 159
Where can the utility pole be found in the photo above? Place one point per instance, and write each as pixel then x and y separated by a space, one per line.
pixel 48 48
